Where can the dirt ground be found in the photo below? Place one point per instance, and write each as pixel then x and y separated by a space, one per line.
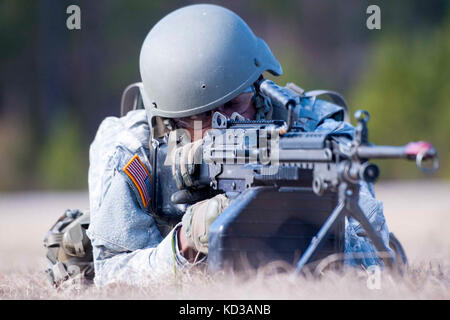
pixel 417 212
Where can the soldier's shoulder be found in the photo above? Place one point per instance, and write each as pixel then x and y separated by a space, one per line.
pixel 127 135
pixel 118 141
pixel 130 130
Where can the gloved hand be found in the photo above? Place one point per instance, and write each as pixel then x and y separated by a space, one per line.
pixel 199 217
pixel 185 156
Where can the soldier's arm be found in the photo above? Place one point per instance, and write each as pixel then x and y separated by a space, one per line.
pixel 127 245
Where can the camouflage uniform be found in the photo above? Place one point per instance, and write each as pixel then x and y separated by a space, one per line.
pixel 127 244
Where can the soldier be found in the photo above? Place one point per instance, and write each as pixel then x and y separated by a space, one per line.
pixel 195 60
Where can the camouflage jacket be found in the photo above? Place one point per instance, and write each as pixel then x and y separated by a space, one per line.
pixel 127 244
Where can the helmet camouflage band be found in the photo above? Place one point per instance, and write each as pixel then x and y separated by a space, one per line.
pixel 199 57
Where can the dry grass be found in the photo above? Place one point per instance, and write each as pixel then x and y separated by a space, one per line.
pixel 418 213
pixel 423 281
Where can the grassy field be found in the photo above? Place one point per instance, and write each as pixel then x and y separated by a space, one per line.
pixel 417 212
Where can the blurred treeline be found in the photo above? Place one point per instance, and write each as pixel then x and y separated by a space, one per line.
pixel 56 85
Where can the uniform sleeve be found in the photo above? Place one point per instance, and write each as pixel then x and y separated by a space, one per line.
pixel 127 245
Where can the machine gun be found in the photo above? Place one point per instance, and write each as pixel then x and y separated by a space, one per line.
pixel 292 189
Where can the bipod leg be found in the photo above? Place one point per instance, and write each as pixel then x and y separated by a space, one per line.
pixel 354 210
pixel 318 240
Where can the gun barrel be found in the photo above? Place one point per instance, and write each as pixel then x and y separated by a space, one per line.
pixel 419 151
pixel 410 151
pixel 381 152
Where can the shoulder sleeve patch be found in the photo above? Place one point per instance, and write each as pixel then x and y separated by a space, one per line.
pixel 140 178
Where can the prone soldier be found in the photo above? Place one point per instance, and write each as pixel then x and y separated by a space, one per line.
pixel 196 60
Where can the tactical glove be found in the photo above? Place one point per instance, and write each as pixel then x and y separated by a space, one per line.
pixel 199 217
pixel 185 158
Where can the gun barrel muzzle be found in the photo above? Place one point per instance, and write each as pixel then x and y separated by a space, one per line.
pixel 420 151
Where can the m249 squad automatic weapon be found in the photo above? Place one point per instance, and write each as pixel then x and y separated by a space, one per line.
pixel 292 189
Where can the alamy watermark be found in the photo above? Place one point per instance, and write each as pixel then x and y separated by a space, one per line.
pixel 373 277
pixel 73 21
pixel 373 21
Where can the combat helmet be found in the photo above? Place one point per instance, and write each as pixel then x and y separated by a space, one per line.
pixel 199 57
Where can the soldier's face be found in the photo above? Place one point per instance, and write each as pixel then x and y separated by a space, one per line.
pixel 242 104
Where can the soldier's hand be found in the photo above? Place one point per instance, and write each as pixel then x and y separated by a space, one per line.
pixel 199 217
pixel 185 158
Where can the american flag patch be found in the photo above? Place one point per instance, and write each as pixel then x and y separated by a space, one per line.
pixel 138 173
